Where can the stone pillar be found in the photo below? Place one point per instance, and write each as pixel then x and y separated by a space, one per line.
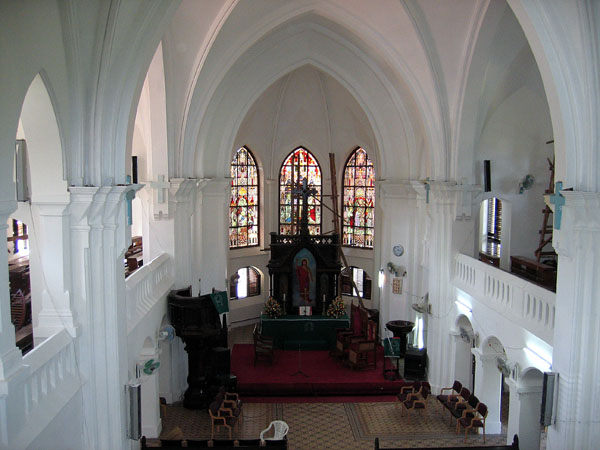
pixel 524 415
pixel 99 238
pixel 212 235
pixel 441 212
pixel 11 360
pixel 488 388
pixel 576 357
pixel 183 197
pixel 151 422
pixel 52 248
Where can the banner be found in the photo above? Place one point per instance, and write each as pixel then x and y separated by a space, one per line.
pixel 220 301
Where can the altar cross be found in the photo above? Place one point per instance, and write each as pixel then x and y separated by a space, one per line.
pixel 305 191
pixel 160 203
pixel 558 201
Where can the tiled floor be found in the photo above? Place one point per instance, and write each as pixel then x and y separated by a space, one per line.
pixel 351 426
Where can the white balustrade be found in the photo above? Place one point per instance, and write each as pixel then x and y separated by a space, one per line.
pixel 519 300
pixel 146 286
pixel 49 381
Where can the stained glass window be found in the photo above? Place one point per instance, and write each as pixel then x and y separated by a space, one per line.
pixel 359 201
pixel 298 165
pixel 243 201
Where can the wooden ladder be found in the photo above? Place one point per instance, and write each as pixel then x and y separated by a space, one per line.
pixel 546 231
pixel 337 219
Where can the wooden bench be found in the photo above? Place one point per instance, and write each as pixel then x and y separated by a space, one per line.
pixel 223 444
pixel 513 446
pixel 530 269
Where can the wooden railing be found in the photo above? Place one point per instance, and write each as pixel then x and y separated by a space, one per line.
pixel 525 303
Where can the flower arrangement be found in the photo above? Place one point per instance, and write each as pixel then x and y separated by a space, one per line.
pixel 273 308
pixel 337 308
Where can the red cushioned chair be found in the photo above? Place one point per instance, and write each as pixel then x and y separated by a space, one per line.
pixel 416 400
pixel 344 336
pixel 473 419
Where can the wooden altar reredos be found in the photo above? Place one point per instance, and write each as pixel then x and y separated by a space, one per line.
pixel 282 266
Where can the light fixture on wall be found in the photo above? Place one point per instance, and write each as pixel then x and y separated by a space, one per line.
pixel 381 279
pixel 526 183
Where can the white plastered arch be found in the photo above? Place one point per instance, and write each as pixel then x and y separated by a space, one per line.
pixel 310 42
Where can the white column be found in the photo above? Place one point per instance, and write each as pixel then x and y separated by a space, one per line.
pixel 212 235
pixel 52 259
pixel 183 196
pixel 576 355
pixel 98 241
pixel 488 388
pixel 524 415
pixel 441 212
pixel 10 356
pixel 151 422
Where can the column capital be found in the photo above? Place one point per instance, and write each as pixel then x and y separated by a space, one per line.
pixel 215 186
pixel 580 221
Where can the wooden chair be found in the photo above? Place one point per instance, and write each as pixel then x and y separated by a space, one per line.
pixel 263 346
pixel 454 392
pixel 232 400
pixel 416 400
pixel 344 336
pixel 219 417
pixel 473 419
pixel 413 388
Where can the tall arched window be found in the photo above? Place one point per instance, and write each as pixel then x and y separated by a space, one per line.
pixel 243 202
pixel 359 200
pixel 298 165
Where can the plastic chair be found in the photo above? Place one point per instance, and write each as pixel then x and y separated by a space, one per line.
pixel 280 430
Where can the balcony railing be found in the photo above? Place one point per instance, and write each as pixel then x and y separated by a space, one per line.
pixel 520 301
pixel 146 286
pixel 49 380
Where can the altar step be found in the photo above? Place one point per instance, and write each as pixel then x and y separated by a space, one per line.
pixel 307 373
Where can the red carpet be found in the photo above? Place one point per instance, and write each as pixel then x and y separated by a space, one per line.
pixel 326 375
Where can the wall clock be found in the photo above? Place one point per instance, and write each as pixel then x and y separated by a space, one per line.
pixel 398 250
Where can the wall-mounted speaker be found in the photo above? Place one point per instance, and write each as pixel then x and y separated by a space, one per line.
pixel 487 176
pixel 548 395
pixel 134 426
pixel 134 169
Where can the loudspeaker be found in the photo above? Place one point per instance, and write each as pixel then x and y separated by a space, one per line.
pixel 21 170
pixel 487 176
pixel 548 391
pixel 134 172
pixel 134 394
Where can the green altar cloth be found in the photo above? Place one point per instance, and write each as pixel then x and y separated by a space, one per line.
pixel 291 332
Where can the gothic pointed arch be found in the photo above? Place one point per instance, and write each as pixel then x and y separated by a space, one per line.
pixel 358 201
pixel 244 200
pixel 298 165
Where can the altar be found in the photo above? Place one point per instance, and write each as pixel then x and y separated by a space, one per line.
pixel 291 331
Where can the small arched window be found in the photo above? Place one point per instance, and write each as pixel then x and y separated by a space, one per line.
pixel 491 242
pixel 243 201
pixel 361 279
pixel 298 165
pixel 359 201
pixel 245 283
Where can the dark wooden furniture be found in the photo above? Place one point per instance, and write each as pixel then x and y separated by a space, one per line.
pixel 474 418
pixel 415 363
pixel 513 446
pixel 453 393
pixel 305 332
pixel 134 256
pixel 534 271
pixel 263 346
pixel 223 444
pixel 489 259
pixel 416 400
pixel 197 322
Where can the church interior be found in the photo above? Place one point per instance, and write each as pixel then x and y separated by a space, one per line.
pixel 338 219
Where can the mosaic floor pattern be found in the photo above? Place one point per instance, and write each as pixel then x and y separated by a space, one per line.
pixel 352 426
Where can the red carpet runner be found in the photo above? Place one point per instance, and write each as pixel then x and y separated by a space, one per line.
pixel 326 375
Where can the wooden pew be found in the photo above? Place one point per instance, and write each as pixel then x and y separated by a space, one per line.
pixel 513 446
